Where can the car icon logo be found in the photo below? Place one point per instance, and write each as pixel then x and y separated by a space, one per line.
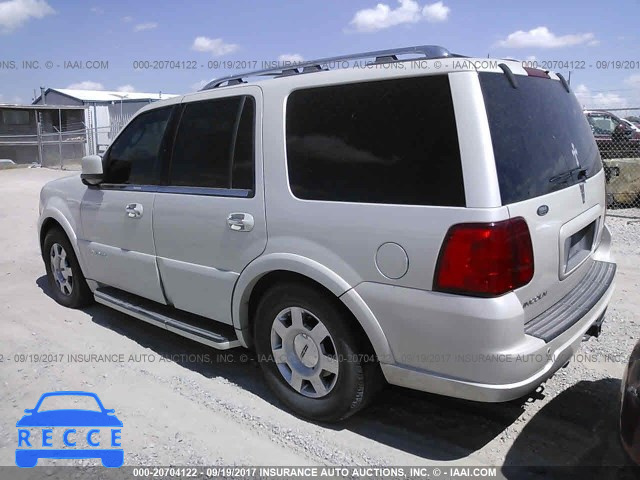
pixel 101 440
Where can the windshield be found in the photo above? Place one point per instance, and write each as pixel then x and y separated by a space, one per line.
pixel 541 139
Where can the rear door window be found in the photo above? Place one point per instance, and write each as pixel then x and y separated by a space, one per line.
pixel 541 139
pixel 392 141
pixel 214 145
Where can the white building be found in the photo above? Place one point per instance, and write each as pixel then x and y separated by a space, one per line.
pixel 106 111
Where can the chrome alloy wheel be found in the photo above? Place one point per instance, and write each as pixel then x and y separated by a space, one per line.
pixel 61 269
pixel 304 352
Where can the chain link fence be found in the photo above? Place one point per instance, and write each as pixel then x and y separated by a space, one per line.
pixel 54 147
pixel 617 133
pixel 62 147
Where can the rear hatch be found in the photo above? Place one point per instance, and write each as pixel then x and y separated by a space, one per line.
pixel 550 173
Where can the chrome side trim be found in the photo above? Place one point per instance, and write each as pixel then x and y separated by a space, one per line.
pixel 214 192
pixel 183 190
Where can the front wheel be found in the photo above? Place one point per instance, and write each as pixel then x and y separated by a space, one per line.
pixel 68 285
pixel 310 355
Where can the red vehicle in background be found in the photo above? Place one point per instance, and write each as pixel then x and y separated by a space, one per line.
pixel 615 137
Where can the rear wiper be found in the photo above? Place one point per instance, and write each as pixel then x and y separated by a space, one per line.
pixel 582 173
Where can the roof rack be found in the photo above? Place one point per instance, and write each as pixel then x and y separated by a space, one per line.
pixel 310 66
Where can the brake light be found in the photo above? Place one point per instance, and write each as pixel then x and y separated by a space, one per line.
pixel 485 259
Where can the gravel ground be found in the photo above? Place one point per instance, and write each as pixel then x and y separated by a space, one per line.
pixel 183 404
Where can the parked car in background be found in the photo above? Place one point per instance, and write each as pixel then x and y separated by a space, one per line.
pixel 635 120
pixel 630 124
pixel 615 137
pixel 432 226
pixel 619 144
pixel 630 406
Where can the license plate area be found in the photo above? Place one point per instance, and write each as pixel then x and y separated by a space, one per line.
pixel 578 246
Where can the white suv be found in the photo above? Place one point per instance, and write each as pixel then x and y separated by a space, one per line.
pixel 424 218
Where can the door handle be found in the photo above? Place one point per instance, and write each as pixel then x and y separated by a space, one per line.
pixel 133 210
pixel 240 222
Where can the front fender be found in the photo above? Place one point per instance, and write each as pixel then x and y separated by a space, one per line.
pixel 315 271
pixel 58 209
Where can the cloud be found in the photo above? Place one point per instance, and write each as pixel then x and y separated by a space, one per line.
pixel 127 19
pixel 408 11
pixel 15 13
pixel 436 12
pixel 215 46
pixel 589 99
pixel 86 85
pixel 126 88
pixel 609 99
pixel 633 81
pixel 14 100
pixel 145 26
pixel 383 16
pixel 97 10
pixel 290 58
pixel 542 37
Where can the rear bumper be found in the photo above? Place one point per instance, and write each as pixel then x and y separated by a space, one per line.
pixel 473 348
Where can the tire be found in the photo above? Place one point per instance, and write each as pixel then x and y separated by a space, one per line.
pixel 310 388
pixel 67 283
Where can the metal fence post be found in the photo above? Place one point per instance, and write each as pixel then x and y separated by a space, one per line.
pixel 39 134
pixel 60 138
pixel 59 146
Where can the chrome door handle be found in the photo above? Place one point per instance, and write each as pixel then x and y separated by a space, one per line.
pixel 133 210
pixel 240 222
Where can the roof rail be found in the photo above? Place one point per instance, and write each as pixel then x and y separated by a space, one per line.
pixel 381 56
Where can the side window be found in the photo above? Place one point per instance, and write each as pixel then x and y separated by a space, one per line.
pixel 214 146
pixel 134 157
pixel 392 141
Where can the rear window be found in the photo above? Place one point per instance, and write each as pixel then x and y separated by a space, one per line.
pixel 391 141
pixel 539 135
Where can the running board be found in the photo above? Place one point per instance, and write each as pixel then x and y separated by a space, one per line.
pixel 215 334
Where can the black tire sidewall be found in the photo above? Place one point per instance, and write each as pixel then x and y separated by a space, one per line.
pixel 348 392
pixel 80 292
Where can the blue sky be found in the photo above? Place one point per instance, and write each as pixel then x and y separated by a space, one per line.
pixel 241 30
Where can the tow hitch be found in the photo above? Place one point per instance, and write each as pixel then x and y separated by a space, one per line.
pixel 595 328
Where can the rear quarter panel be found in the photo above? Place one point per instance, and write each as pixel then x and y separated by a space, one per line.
pixel 344 236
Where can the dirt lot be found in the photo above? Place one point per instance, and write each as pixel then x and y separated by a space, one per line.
pixel 183 404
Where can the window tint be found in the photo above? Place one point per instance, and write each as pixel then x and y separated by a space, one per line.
pixel 134 157
pixel 539 133
pixel 214 145
pixel 391 141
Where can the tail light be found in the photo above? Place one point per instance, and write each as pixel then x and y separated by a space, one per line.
pixel 485 259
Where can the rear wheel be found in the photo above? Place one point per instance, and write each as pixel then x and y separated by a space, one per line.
pixel 68 285
pixel 311 357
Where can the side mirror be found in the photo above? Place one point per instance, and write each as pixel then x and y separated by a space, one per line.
pixel 92 170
